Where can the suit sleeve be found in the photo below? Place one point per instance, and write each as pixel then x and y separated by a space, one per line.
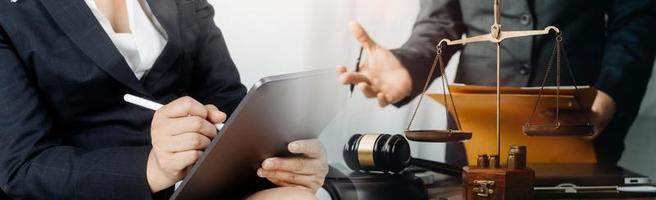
pixel 629 54
pixel 218 81
pixel 625 69
pixel 35 163
pixel 437 19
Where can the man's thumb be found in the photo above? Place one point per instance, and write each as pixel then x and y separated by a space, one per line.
pixel 361 35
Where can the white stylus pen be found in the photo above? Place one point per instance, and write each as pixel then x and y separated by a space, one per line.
pixel 151 105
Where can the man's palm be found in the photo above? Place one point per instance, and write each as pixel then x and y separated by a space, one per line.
pixel 381 76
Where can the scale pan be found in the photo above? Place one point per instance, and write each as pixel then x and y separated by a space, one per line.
pixel 562 130
pixel 438 135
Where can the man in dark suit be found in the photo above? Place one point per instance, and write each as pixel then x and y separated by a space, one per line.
pixel 610 45
pixel 65 132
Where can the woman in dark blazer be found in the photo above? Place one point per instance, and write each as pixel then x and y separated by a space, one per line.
pixel 65 132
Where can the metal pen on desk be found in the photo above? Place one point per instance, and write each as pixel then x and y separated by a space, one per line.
pixel 357 67
pixel 151 105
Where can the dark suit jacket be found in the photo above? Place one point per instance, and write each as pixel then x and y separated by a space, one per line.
pixel 65 132
pixel 610 45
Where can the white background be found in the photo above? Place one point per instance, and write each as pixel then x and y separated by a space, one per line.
pixel 268 37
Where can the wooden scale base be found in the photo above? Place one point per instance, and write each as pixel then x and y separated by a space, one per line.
pixel 488 180
pixel 498 183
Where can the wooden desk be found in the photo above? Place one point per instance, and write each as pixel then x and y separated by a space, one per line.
pixel 445 193
pixel 449 188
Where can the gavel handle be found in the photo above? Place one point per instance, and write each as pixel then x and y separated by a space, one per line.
pixel 437 167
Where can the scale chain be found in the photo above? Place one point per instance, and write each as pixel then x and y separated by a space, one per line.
pixel 445 86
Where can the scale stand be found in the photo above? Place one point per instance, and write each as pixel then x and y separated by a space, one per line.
pixel 488 179
pixel 496 36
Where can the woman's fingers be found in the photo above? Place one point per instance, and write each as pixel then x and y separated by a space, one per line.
pixel 214 115
pixel 183 107
pixel 311 182
pixel 308 171
pixel 181 160
pixel 188 141
pixel 312 148
pixel 306 166
pixel 187 124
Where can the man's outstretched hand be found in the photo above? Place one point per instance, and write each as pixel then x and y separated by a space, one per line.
pixel 381 75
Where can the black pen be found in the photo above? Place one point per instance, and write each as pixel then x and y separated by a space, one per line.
pixel 357 67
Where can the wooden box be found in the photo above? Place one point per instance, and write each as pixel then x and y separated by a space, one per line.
pixel 499 183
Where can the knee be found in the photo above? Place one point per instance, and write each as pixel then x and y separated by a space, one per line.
pixel 290 193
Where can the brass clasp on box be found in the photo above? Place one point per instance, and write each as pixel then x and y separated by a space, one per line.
pixel 483 188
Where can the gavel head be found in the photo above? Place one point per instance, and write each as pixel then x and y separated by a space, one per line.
pixel 377 152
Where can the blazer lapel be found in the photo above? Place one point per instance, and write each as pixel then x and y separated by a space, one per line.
pixel 76 20
pixel 166 12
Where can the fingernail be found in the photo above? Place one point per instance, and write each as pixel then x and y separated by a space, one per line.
pixel 260 173
pixel 268 164
pixel 294 147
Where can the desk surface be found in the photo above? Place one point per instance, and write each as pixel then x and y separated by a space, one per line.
pixel 455 193
pixel 449 188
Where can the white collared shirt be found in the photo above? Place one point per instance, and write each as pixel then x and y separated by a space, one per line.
pixel 146 40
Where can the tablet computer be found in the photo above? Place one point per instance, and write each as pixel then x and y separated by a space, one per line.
pixel 585 174
pixel 277 110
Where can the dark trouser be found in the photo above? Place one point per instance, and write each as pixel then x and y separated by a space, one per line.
pixel 455 151
pixel 455 154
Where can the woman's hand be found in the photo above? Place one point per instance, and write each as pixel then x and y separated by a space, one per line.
pixel 381 75
pixel 180 132
pixel 602 111
pixel 308 171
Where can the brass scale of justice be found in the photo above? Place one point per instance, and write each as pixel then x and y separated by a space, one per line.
pixel 497 36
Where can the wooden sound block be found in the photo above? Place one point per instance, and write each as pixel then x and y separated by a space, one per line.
pixel 498 183
pixel 438 135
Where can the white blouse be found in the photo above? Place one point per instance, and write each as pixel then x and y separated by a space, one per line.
pixel 146 40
